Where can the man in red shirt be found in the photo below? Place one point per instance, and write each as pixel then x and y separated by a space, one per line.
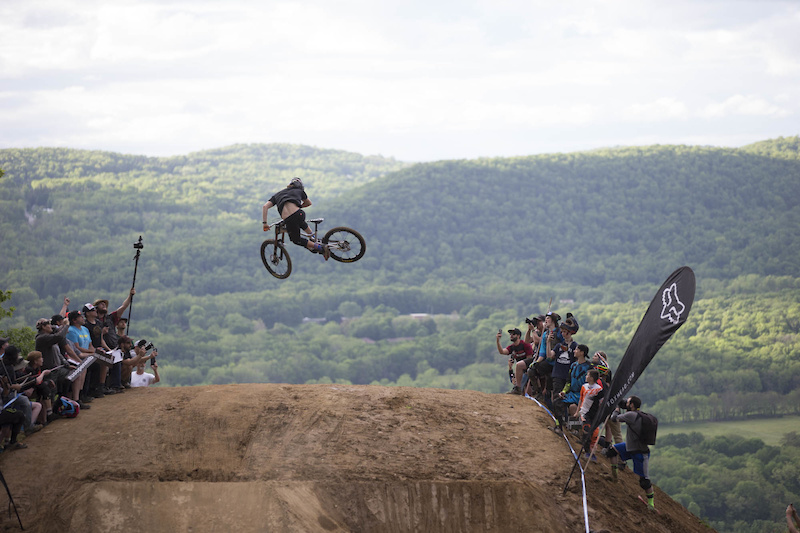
pixel 518 350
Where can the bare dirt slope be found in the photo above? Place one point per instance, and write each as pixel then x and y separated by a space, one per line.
pixel 315 458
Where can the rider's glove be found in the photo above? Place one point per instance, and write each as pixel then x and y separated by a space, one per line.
pixel 266 226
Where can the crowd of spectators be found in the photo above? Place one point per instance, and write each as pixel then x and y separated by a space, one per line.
pixel 550 365
pixel 79 356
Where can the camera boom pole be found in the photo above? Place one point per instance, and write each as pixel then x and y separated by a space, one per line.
pixel 139 246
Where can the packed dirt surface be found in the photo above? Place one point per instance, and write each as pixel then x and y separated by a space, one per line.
pixel 305 458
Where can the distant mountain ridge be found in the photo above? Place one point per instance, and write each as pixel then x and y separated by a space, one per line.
pixel 624 215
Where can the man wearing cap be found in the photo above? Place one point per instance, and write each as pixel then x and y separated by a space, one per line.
pixel 517 351
pixel 111 335
pixel 562 356
pixel 110 320
pixel 97 370
pixel 81 341
pixel 542 369
pixel 534 332
pixel 48 343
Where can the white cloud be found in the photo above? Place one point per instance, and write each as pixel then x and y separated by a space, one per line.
pixel 749 105
pixel 411 77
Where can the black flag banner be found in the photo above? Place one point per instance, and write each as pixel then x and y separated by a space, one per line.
pixel 667 312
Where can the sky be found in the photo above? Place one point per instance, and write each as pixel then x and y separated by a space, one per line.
pixel 415 80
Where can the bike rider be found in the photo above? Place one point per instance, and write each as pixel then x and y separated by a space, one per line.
pixel 290 202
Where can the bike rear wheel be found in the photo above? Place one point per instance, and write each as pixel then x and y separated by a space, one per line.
pixel 276 259
pixel 346 244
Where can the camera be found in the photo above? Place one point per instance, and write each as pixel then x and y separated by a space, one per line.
pixel 532 321
pixel 138 245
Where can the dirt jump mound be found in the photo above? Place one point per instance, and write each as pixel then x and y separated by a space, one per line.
pixel 306 458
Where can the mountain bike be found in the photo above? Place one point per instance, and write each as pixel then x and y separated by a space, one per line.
pixel 345 244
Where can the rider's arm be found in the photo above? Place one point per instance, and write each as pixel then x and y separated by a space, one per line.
pixel 264 210
pixel 306 203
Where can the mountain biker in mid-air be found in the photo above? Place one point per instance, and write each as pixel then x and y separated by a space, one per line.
pixel 290 202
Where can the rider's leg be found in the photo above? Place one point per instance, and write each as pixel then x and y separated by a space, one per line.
pixel 294 222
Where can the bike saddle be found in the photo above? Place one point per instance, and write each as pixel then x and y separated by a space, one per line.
pixel 315 220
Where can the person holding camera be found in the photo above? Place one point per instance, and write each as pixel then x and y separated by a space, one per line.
pixel 563 355
pixel 290 202
pixel 517 351
pixel 541 373
pixel 140 378
pixel 633 448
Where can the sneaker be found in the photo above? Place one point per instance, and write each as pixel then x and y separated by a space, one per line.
pixel 515 390
pixel 16 446
pixel 594 457
pixel 84 398
pixel 126 385
pixel 557 430
pixel 96 393
pixel 107 390
pixel 53 416
pixel 324 250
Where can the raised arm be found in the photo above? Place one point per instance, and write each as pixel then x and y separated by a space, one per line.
pixel 121 309
pixel 65 307
pixel 264 210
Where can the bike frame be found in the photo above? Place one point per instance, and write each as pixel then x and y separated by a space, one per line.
pixel 280 231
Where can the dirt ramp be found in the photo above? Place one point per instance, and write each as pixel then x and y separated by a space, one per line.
pixel 203 507
pixel 316 458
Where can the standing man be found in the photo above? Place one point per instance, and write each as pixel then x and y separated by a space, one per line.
pixel 111 333
pixel 518 350
pixel 633 447
pixel 562 355
pixel 290 202
pixel 543 367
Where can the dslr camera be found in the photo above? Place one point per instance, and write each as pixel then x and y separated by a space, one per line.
pixel 532 321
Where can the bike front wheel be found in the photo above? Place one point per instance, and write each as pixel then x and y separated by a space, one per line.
pixel 346 245
pixel 276 259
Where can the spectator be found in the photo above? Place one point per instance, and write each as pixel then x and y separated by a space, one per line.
pixel 81 341
pixel 98 371
pixel 563 355
pixel 542 373
pixel 39 385
pixel 600 362
pixel 577 375
pixel 131 361
pixel 517 351
pixel 633 448
pixel 533 336
pixel 30 410
pixel 48 343
pixel 110 320
pixel 111 337
pixel 588 405
pixel 11 422
pixel 140 378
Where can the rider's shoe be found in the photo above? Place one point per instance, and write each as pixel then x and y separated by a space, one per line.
pixel 324 250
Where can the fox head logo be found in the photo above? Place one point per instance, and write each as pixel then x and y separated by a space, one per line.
pixel 672 308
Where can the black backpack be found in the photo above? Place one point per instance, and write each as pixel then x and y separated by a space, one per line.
pixel 649 428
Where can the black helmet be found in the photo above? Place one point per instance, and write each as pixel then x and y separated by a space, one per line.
pixel 296 182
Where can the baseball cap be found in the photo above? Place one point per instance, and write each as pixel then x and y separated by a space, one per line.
pixel 515 330
pixel 87 308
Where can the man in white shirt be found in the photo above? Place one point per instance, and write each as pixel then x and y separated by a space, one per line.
pixel 140 378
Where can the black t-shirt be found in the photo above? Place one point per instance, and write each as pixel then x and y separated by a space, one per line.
pixel 96 332
pixel 295 195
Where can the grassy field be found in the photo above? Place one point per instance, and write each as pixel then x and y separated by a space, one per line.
pixel 770 430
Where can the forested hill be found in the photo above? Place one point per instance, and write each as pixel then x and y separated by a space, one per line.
pixel 587 218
